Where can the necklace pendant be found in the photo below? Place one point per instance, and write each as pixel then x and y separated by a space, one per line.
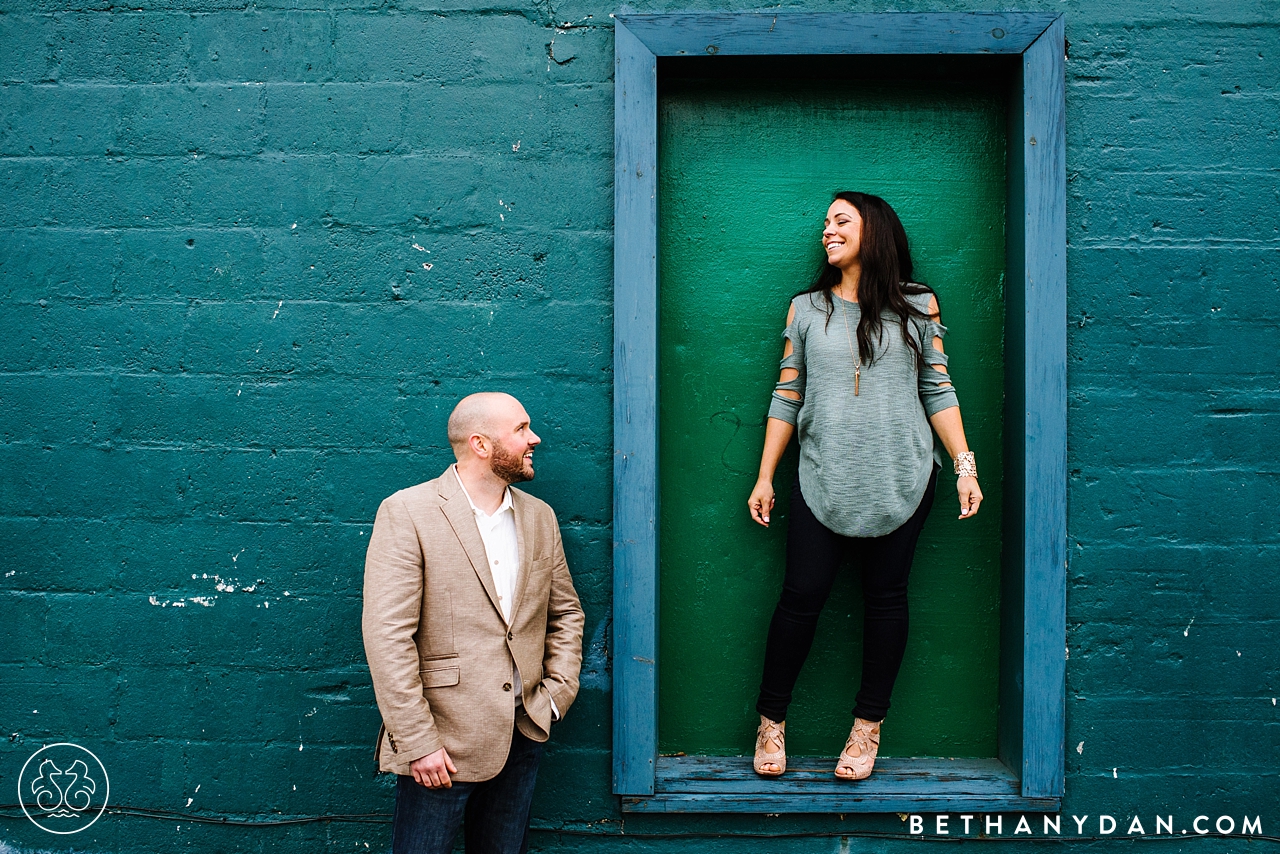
pixel 857 375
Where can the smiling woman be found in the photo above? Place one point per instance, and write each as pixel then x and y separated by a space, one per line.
pixel 866 463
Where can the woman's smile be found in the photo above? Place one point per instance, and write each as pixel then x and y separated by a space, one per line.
pixel 842 234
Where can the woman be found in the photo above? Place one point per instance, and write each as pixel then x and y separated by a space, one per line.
pixel 863 378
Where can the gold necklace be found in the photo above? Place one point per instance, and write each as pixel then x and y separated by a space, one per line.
pixel 857 359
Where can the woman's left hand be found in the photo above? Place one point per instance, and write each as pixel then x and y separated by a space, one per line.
pixel 970 496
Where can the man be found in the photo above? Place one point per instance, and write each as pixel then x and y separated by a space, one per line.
pixel 473 633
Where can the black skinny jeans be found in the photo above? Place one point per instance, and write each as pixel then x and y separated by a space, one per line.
pixel 814 553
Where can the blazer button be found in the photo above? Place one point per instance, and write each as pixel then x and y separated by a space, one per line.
pixel 506 686
pixel 511 636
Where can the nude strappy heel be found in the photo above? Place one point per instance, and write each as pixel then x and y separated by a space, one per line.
pixel 859 754
pixel 777 733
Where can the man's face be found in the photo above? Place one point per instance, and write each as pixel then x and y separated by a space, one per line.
pixel 513 443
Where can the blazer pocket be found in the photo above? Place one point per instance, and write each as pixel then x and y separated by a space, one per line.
pixel 439 677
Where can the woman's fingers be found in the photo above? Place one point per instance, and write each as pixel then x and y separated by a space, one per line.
pixel 970 496
pixel 760 503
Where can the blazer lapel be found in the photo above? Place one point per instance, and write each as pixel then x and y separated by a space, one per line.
pixel 457 509
pixel 524 523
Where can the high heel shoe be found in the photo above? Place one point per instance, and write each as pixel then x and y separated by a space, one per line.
pixel 859 754
pixel 777 733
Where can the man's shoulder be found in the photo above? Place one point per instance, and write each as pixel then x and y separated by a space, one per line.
pixel 429 493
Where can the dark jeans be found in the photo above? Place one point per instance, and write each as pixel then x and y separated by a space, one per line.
pixel 426 821
pixel 814 554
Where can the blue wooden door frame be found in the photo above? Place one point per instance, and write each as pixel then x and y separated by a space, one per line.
pixel 1029 772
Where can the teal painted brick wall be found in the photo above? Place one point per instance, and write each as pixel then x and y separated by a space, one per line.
pixel 220 348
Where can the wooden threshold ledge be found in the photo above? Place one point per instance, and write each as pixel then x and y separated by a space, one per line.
pixel 720 784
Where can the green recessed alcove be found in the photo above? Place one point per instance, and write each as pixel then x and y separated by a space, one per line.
pixel 750 151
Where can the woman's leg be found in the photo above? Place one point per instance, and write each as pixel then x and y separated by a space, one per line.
pixel 813 556
pixel 885 564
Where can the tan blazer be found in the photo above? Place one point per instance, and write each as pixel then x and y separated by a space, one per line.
pixel 441 653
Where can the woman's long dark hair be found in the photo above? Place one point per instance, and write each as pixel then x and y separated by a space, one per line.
pixel 885 256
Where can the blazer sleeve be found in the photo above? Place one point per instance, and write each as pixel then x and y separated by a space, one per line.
pixel 393 591
pixel 562 656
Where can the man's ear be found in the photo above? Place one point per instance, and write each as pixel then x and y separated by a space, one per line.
pixel 479 445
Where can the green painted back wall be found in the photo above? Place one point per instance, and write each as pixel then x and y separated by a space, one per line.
pixel 747 169
pixel 220 348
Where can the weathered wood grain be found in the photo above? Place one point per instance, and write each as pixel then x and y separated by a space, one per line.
pixel 783 33
pixel 635 419
pixel 893 775
pixel 1045 385
pixel 727 784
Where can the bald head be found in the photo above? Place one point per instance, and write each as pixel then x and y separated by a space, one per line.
pixel 479 413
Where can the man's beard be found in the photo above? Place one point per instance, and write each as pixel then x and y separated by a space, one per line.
pixel 509 468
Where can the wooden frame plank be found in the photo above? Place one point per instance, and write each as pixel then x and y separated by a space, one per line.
pixel 1044 531
pixel 728 784
pixel 794 33
pixel 635 415
pixel 799 803
pixel 1034 610
pixel 1013 557
pixel 733 775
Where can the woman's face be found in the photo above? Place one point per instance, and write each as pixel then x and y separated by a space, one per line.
pixel 842 234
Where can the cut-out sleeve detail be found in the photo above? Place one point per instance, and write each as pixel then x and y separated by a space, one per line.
pixel 936 390
pixel 780 406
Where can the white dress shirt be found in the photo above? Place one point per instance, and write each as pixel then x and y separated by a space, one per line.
pixel 502 548
pixel 500 545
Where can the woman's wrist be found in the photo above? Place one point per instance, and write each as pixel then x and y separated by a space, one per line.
pixel 964 465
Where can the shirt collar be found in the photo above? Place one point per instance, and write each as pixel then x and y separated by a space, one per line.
pixel 502 508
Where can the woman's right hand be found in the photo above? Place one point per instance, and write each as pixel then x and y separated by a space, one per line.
pixel 761 501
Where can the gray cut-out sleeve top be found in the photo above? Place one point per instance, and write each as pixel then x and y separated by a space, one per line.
pixel 865 459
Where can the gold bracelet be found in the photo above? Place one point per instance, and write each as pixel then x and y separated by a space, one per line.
pixel 964 465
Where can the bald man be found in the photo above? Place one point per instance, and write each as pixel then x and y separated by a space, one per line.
pixel 473 633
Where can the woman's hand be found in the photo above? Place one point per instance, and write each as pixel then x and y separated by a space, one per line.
pixel 761 501
pixel 970 496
